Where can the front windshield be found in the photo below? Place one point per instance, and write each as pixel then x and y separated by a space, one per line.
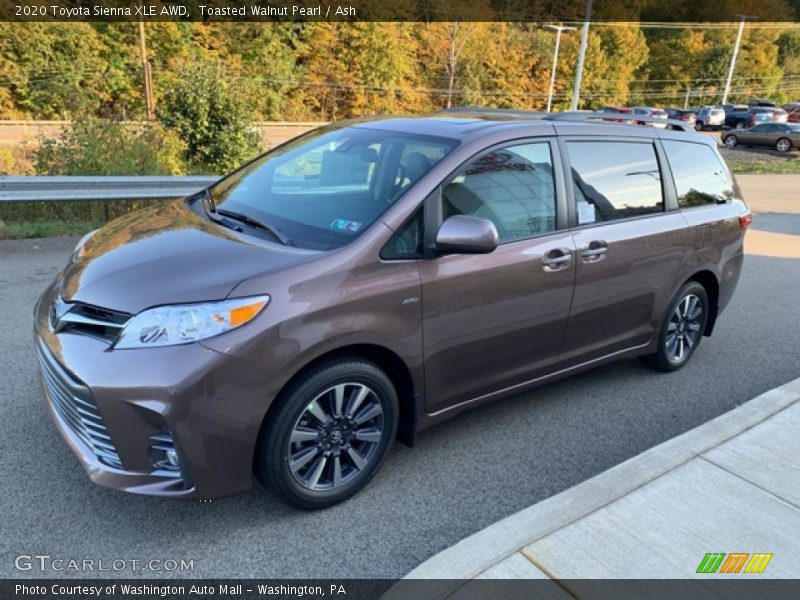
pixel 326 188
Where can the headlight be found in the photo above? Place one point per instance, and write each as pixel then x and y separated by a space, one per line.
pixel 184 323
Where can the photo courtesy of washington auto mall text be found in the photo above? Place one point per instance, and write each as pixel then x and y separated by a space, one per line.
pixel 400 299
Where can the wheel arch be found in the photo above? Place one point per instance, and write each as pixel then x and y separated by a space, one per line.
pixel 388 361
pixel 711 284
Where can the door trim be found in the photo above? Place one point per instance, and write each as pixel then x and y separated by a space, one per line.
pixel 541 379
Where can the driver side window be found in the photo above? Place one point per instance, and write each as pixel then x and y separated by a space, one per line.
pixel 512 186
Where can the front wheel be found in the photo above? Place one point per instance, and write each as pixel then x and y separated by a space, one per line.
pixel 731 141
pixel 783 145
pixel 681 329
pixel 328 434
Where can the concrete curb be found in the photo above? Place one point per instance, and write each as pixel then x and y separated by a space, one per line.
pixel 471 556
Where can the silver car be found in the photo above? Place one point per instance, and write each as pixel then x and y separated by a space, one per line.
pixel 710 118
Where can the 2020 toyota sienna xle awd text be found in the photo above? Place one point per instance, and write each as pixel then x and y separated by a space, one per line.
pixel 370 279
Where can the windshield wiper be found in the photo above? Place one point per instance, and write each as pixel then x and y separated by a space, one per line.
pixel 253 222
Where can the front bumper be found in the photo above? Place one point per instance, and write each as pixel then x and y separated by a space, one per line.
pixel 212 405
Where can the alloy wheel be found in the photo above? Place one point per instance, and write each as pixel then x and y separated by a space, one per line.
pixel 731 141
pixel 336 436
pixel 683 331
pixel 783 145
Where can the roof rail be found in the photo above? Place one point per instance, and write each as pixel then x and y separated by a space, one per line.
pixel 614 119
pixel 506 112
pixel 573 115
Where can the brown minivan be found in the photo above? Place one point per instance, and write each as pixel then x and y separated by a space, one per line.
pixel 369 279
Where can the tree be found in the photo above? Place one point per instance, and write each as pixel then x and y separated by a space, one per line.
pixel 211 114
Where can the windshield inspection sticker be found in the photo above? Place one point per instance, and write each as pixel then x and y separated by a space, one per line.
pixel 345 225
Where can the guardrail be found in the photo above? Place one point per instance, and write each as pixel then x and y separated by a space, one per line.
pixel 90 188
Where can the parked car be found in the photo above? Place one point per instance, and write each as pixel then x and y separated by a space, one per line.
pixel 792 112
pixel 710 117
pixel 781 136
pixel 736 113
pixel 654 113
pixel 371 279
pixel 765 103
pixel 682 114
pixel 625 112
pixel 755 115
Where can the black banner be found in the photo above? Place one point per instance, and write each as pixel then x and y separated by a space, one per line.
pixel 702 588
pixel 394 10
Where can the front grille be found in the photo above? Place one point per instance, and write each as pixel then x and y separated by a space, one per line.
pixel 73 402
pixel 85 319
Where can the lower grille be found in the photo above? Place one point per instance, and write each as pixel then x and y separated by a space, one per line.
pixel 74 404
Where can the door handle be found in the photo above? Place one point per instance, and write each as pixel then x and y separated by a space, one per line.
pixel 595 251
pixel 557 259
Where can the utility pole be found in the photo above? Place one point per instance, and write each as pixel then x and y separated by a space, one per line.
pixel 742 19
pixel 148 75
pixel 576 94
pixel 686 99
pixel 558 29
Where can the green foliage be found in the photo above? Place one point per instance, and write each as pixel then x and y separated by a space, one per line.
pixel 101 147
pixel 212 115
pixel 40 229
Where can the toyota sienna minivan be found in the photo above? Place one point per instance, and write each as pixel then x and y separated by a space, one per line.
pixel 370 279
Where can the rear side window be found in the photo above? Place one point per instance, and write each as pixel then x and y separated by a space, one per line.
pixel 513 187
pixel 615 180
pixel 700 177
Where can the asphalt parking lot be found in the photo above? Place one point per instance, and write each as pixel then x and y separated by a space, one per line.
pixel 461 476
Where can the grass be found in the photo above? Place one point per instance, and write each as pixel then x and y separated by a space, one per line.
pixel 741 167
pixel 39 229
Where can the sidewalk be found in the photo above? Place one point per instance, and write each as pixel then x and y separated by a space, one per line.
pixel 731 485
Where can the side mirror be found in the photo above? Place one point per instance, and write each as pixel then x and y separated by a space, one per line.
pixel 462 234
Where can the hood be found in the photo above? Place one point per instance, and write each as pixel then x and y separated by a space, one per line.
pixel 166 254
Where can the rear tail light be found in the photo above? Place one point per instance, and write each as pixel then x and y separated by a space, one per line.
pixel 752 118
pixel 745 220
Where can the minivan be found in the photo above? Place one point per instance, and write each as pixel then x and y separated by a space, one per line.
pixel 370 279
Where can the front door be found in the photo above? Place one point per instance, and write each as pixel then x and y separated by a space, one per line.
pixel 496 320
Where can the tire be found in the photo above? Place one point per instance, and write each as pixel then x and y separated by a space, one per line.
pixel 783 145
pixel 730 141
pixel 313 427
pixel 698 126
pixel 681 329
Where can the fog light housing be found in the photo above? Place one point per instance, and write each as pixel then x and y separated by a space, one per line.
pixel 164 454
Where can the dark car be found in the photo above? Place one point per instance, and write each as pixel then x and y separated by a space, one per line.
pixel 617 114
pixel 781 136
pixel 765 103
pixel 371 279
pixel 682 114
pixel 792 112
pixel 742 119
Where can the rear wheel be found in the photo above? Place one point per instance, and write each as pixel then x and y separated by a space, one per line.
pixel 730 141
pixel 681 329
pixel 328 434
pixel 698 126
pixel 783 145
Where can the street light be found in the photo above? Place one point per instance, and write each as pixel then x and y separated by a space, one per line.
pixel 742 19
pixel 558 29
pixel 576 94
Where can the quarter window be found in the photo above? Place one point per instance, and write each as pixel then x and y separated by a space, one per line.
pixel 700 177
pixel 615 180
pixel 513 187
